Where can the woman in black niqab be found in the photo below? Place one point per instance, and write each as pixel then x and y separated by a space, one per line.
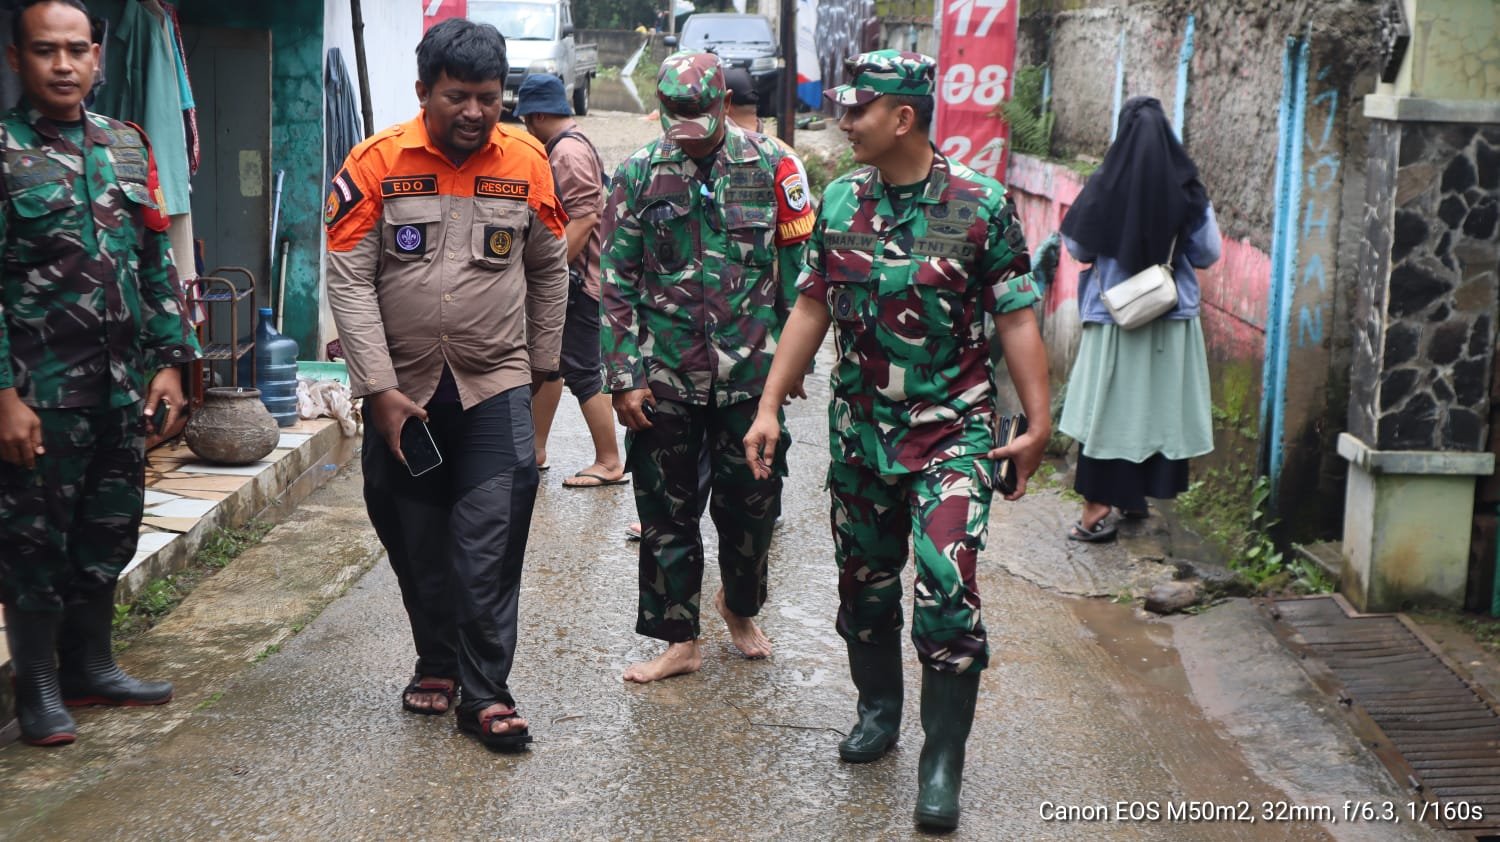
pixel 1146 191
pixel 1138 401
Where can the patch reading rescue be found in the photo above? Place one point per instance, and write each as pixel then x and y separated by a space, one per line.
pixel 502 188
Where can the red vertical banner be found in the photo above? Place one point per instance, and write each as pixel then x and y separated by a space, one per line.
pixel 437 11
pixel 976 55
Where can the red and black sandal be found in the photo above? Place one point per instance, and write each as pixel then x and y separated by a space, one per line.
pixel 448 690
pixel 479 722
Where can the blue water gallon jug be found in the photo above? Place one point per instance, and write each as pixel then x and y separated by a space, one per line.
pixel 276 370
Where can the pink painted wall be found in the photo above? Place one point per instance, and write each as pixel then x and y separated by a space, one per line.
pixel 1236 290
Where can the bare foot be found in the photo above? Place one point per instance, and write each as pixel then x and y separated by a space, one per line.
pixel 746 635
pixel 437 702
pixel 501 727
pixel 679 659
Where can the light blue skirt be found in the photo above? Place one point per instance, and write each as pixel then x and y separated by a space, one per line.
pixel 1135 393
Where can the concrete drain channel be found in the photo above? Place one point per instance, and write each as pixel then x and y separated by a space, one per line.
pixel 1421 714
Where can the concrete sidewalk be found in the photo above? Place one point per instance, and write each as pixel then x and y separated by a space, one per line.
pixel 188 500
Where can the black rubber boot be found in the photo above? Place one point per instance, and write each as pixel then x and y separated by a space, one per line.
pixel 44 720
pixel 876 670
pixel 947 714
pixel 88 672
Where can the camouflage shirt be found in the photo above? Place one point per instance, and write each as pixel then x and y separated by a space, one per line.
pixel 909 293
pixel 691 301
pixel 90 306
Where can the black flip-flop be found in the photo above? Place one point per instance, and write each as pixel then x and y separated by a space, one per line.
pixel 602 481
pixel 478 724
pixel 1102 533
pixel 1135 514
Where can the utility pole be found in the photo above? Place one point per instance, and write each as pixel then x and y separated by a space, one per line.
pixel 786 119
pixel 366 107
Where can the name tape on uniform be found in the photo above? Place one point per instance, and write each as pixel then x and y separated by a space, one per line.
pixel 409 185
pixel 502 188
pixel 850 241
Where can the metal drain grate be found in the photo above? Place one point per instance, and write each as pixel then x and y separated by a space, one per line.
pixel 1431 725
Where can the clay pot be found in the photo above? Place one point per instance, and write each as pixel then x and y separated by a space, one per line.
pixel 232 427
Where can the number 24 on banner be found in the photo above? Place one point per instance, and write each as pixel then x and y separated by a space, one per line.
pixel 986 160
pixel 965 9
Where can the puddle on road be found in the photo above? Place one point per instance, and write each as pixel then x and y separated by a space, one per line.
pixel 1153 687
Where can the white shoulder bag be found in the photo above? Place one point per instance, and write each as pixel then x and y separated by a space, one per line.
pixel 1140 298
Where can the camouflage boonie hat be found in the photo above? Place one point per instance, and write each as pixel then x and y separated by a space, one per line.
pixel 690 88
pixel 872 75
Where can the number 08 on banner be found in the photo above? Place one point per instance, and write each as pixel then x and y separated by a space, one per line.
pixel 975 58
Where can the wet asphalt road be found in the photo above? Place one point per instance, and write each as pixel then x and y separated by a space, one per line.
pixel 1088 704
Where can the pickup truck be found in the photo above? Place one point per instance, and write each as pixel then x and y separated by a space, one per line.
pixel 539 39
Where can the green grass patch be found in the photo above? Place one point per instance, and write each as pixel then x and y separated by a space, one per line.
pixel 1230 507
pixel 159 597
pixel 267 652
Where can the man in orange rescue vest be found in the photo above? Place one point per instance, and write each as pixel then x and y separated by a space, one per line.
pixel 448 278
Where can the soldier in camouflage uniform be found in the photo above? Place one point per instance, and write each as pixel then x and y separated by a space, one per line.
pixel 920 264
pixel 697 223
pixel 91 328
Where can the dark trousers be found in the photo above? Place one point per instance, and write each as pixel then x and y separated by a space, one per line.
pixel 69 526
pixel 669 497
pixel 456 537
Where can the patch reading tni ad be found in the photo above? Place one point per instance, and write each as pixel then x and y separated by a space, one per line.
pixel 503 188
pixel 409 185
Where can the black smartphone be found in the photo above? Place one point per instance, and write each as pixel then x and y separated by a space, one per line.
pixel 648 409
pixel 158 420
pixel 417 446
pixel 1008 429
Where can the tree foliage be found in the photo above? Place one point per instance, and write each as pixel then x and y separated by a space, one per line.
pixel 1030 129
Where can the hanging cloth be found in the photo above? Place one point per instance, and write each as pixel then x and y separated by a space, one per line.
pixel 185 90
pixel 340 113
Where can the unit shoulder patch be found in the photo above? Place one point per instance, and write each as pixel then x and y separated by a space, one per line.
pixel 343 195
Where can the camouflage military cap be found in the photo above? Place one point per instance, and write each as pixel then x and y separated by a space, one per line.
pixel 690 88
pixel 872 75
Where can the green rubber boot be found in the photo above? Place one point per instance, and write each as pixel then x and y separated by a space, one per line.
pixel 947 713
pixel 876 670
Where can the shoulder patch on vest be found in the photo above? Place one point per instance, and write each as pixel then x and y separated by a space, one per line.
pixel 343 195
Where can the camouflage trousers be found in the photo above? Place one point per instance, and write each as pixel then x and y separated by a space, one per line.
pixel 943 512
pixel 69 526
pixel 663 463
